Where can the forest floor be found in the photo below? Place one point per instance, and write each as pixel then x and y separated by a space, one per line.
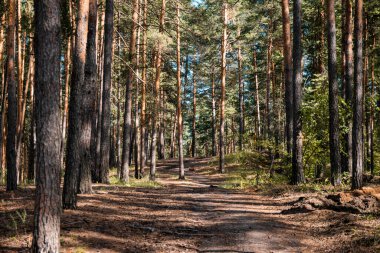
pixel 196 215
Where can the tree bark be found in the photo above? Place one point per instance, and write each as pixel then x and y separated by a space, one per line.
pixel 106 103
pixel 155 119
pixel 333 97
pixel 357 129
pixel 12 100
pixel 223 89
pixel 193 126
pixel 47 209
pixel 143 91
pixel 128 98
pixel 88 97
pixel 297 163
pixel 241 97
pixel 257 95
pixel 179 101
pixel 288 74
pixel 70 187
pixel 214 149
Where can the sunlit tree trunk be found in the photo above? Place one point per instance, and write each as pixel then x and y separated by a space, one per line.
pixel 288 74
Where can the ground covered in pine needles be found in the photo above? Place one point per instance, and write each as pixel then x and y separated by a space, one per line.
pixel 208 212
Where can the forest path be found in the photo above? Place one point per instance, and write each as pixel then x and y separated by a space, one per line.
pixel 181 216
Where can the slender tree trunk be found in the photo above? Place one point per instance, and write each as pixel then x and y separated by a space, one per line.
pixel 288 74
pixel 333 97
pixel 193 127
pixel 88 97
pixel 32 138
pixel 128 98
pixel 161 147
pixel 143 92
pixel 372 165
pixel 241 97
pixel 268 81
pixel 47 209
pixel 257 95
pixel 137 93
pixel 223 89
pixel 70 187
pixel 155 119
pixel 179 101
pixel 12 100
pixel 357 130
pixel 106 103
pixel 349 76
pixel 297 163
pixel 214 149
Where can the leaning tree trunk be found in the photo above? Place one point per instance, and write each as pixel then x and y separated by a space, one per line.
pixel 297 164
pixel 11 155
pixel 288 74
pixel 357 129
pixel 70 187
pixel 223 90
pixel 47 209
pixel 333 97
pixel 88 97
pixel 106 101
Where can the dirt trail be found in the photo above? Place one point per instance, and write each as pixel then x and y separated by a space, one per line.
pixel 183 216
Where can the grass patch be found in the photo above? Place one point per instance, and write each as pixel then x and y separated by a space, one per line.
pixel 133 182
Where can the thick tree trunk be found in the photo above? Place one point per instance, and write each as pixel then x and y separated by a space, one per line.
pixel 88 97
pixel 223 89
pixel 70 187
pixel 179 101
pixel 47 209
pixel 357 129
pixel 288 74
pixel 333 97
pixel 128 98
pixel 297 163
pixel 12 100
pixel 106 103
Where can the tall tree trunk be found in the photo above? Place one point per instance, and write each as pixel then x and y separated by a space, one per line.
pixel 128 98
pixel 357 129
pixel 241 97
pixel 88 96
pixel 333 97
pixel 155 119
pixel 297 163
pixel 106 103
pixel 349 75
pixel 288 74
pixel 372 112
pixel 143 91
pixel 70 187
pixel 137 93
pixel 257 95
pixel 47 209
pixel 268 81
pixel 223 89
pixel 12 100
pixel 193 127
pixel 161 147
pixel 32 138
pixel 179 101
pixel 213 112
